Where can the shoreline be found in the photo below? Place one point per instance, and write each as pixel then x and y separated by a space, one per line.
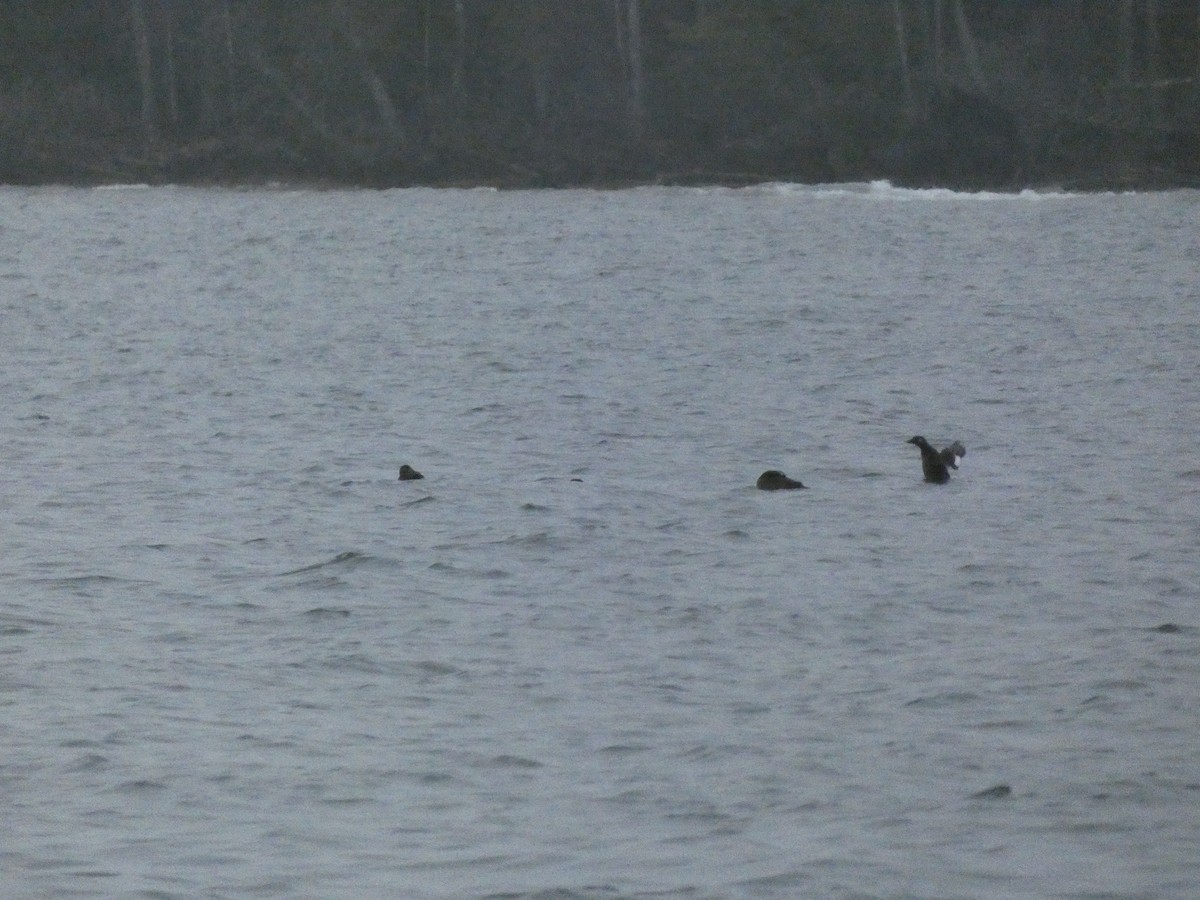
pixel 1077 184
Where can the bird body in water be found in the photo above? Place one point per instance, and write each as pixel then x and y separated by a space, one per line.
pixel 937 464
pixel 408 473
pixel 774 480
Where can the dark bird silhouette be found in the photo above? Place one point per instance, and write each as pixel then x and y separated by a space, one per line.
pixel 774 480
pixel 408 473
pixel 937 465
pixel 996 792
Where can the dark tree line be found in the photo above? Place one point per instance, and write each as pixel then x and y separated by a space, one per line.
pixel 551 92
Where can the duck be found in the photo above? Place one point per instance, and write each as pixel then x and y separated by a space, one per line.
pixel 937 464
pixel 408 473
pixel 774 480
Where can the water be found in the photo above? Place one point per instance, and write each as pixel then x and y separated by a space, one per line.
pixel 585 658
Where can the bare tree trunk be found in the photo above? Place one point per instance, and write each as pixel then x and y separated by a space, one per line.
pixel 968 46
pixel 1153 69
pixel 295 100
pixel 619 30
pixel 214 34
pixel 426 54
pixel 637 82
pixel 629 46
pixel 905 71
pixel 939 44
pixel 537 47
pixel 384 107
pixel 141 45
pixel 460 50
pixel 230 86
pixel 169 64
pixel 1125 41
pixel 1152 42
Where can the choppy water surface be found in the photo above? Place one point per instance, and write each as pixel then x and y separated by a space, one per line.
pixel 584 657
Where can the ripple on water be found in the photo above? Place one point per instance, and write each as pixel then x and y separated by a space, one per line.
pixel 654 682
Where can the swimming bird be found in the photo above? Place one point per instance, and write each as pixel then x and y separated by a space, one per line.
pixel 408 473
pixel 937 465
pixel 996 792
pixel 774 480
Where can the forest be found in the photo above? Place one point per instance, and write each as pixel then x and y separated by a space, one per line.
pixel 1084 94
